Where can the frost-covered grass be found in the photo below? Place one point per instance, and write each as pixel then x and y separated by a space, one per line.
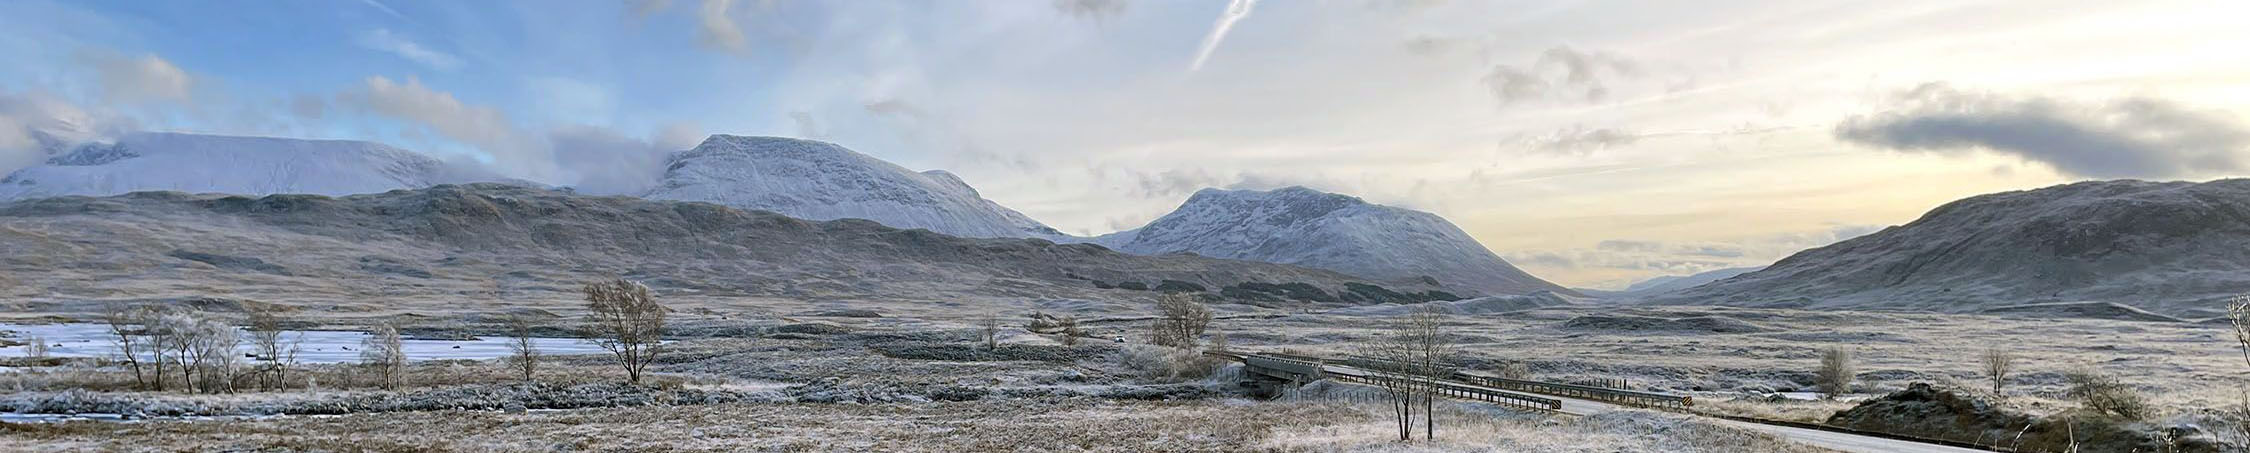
pixel 1807 411
pixel 87 375
pixel 993 425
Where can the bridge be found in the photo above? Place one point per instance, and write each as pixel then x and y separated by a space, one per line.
pixel 1272 371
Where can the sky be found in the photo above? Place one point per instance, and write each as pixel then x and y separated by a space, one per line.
pixel 1592 143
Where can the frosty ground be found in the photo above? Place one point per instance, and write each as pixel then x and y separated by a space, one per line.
pixel 803 376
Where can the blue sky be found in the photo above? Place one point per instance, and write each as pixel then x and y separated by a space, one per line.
pixel 1592 142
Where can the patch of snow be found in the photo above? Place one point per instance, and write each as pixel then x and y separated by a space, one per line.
pixel 1310 228
pixel 235 165
pixel 822 181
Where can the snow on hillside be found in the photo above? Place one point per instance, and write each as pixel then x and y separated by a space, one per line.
pixel 1306 227
pixel 2170 247
pixel 822 181
pixel 226 164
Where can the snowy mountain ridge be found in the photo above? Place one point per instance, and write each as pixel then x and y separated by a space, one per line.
pixel 2171 247
pixel 822 181
pixel 1306 227
pixel 227 164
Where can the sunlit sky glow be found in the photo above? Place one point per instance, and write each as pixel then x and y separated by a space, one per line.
pixel 1593 143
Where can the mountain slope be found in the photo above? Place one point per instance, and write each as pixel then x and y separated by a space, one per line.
pixel 1306 227
pixel 821 181
pixel 2163 246
pixel 1670 283
pixel 492 243
pixel 227 164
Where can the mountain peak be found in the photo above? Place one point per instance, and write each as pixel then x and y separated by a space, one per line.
pixel 818 180
pixel 1298 225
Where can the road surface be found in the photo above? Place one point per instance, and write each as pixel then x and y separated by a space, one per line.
pixel 1824 439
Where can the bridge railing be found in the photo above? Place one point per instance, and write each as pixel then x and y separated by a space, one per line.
pixel 1457 390
pixel 1315 368
pixel 1620 396
pixel 1614 395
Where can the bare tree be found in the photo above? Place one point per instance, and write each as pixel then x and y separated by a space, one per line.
pixel 178 332
pixel 216 343
pixel 1180 319
pixel 1070 330
pixel 1386 350
pixel 1836 372
pixel 159 341
pixel 625 319
pixel 273 355
pixel 2238 314
pixel 523 356
pixel 988 331
pixel 384 353
pixel 35 347
pixel 1997 364
pixel 122 325
pixel 1413 356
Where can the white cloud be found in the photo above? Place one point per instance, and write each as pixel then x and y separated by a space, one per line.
pixel 139 79
pixel 717 30
pixel 2134 137
pixel 486 128
pixel 383 40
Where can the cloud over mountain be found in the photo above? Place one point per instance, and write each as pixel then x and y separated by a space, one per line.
pixel 2134 137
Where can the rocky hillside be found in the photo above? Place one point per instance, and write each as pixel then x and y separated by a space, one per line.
pixel 821 181
pixel 225 164
pixel 2171 247
pixel 1311 228
pixel 501 244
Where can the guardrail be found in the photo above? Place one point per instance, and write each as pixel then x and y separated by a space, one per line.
pixel 1312 368
pixel 1613 395
pixel 1620 396
pixel 1457 390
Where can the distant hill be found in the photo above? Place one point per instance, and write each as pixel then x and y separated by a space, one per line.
pixel 197 163
pixel 2167 247
pixel 492 243
pixel 1669 283
pixel 1307 227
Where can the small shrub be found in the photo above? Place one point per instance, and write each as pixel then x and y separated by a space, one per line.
pixel 2102 393
pixel 1167 364
pixel 35 347
pixel 1836 372
pixel 1180 319
pixel 1518 370
pixel 1070 332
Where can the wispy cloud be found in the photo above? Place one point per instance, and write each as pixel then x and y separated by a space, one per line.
pixel 383 40
pixel 143 78
pixel 717 30
pixel 386 9
pixel 1235 12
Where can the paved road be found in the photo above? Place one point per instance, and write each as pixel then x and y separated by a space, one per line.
pixel 1824 439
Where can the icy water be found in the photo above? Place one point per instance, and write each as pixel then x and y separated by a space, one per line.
pixel 319 346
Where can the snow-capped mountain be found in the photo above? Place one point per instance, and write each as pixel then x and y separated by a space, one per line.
pixel 1306 227
pixel 822 181
pixel 228 164
pixel 2169 247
